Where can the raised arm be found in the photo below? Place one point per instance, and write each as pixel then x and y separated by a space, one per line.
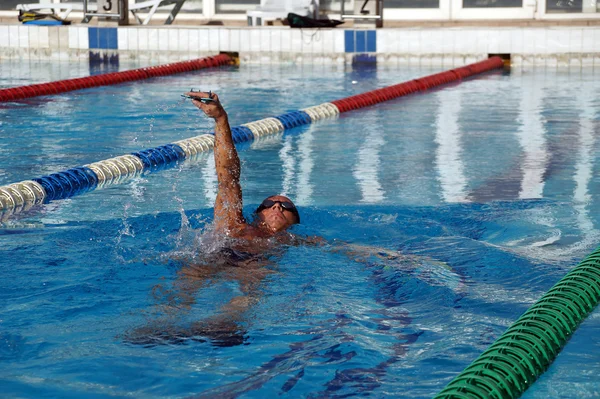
pixel 228 205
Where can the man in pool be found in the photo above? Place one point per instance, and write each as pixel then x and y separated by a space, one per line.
pixel 276 213
pixel 243 260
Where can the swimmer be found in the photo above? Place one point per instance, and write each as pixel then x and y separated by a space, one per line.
pixel 275 214
pixel 245 258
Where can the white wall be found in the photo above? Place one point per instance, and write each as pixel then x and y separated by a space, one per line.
pixel 448 47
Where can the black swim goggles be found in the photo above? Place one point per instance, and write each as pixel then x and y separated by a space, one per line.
pixel 286 205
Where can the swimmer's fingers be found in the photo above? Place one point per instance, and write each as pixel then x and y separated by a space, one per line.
pixel 212 109
pixel 203 94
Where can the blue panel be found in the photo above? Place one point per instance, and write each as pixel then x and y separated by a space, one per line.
pixel 159 158
pixel 246 130
pixel 42 22
pixel 241 134
pixel 304 117
pixel 48 188
pixel 69 183
pixel 349 40
pixel 364 59
pixel 91 176
pixel 293 119
pixel 93 37
pixel 113 42
pixel 361 41
pixel 238 135
pixel 371 41
pixel 146 161
pixel 152 159
pixel 178 150
pixel 102 38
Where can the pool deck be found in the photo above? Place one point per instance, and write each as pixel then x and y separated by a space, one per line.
pixel 573 43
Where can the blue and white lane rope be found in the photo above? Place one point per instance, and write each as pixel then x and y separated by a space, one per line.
pixel 21 196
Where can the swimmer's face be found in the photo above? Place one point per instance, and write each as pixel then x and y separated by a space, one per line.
pixel 276 217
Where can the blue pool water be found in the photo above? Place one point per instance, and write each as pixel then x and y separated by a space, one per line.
pixel 473 200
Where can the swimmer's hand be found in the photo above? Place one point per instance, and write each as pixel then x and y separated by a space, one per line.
pixel 213 109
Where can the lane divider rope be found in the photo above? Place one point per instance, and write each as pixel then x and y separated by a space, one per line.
pixel 527 348
pixel 18 197
pixel 61 86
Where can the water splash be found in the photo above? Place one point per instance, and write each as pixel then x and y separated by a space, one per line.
pixel 125 231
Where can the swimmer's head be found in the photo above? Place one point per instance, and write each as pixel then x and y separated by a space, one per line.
pixel 278 213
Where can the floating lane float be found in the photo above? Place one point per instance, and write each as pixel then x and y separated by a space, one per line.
pixel 61 86
pixel 21 196
pixel 527 348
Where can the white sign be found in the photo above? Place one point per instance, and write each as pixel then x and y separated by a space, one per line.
pixel 108 6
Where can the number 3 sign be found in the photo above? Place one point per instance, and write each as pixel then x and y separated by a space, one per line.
pixel 108 6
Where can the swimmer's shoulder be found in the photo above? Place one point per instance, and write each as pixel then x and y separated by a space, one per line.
pixel 248 232
pixel 251 233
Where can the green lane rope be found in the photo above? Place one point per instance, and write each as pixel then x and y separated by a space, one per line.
pixel 516 360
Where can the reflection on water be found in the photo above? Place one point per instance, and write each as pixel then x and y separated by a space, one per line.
pixel 368 166
pixel 305 167
pixel 209 178
pixel 532 138
pixel 288 164
pixel 583 176
pixel 449 157
pixel 297 162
